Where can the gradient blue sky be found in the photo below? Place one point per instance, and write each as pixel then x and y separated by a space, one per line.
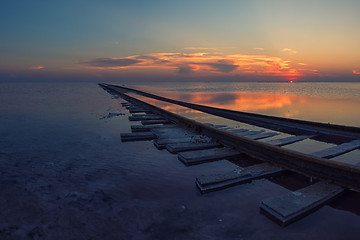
pixel 234 40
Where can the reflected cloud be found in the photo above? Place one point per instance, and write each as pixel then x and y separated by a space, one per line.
pixel 239 101
pixel 242 101
pixel 202 63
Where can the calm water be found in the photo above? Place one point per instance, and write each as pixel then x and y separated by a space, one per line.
pixel 65 174
pixel 327 106
pixel 335 103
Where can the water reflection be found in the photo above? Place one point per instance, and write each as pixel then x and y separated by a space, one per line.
pixel 240 101
pixel 343 111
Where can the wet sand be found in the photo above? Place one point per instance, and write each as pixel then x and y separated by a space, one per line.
pixel 65 174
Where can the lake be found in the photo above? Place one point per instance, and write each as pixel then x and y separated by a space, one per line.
pixel 65 174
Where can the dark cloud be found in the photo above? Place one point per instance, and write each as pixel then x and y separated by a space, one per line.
pixel 162 61
pixel 110 62
pixel 223 67
pixel 185 70
pixel 146 57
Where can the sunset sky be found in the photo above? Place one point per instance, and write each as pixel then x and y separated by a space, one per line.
pixel 248 40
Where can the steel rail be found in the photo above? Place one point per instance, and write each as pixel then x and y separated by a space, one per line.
pixel 337 133
pixel 342 174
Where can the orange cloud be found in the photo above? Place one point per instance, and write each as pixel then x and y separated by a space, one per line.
pixel 36 67
pixel 198 48
pixel 356 72
pixel 289 50
pixel 258 48
pixel 203 64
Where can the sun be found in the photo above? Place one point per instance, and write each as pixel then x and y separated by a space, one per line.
pixel 291 79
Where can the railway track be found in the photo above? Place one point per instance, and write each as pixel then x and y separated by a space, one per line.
pixel 198 143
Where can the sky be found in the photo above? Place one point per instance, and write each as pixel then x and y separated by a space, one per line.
pixel 228 40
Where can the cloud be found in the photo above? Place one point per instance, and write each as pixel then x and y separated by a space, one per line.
pixel 289 50
pixel 357 72
pixel 36 67
pixel 110 62
pixel 223 67
pixel 146 57
pixel 185 70
pixel 302 64
pixel 204 64
pixel 258 48
pixel 198 48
